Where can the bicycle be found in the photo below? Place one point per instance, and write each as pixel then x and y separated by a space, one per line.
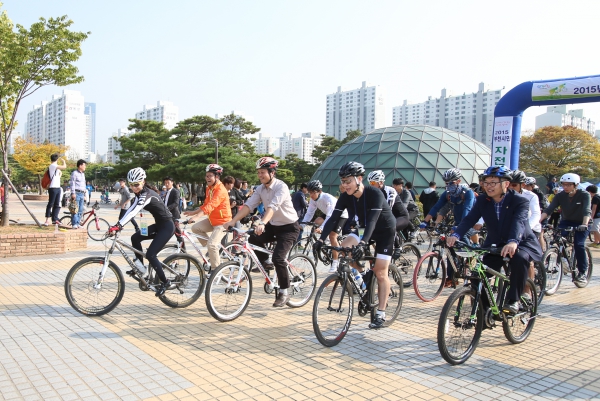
pixel 334 302
pixel 431 271
pixel 423 240
pixel 96 228
pixel 305 246
pixel 559 260
pixel 465 313
pixel 229 287
pixel 95 286
pixel 405 258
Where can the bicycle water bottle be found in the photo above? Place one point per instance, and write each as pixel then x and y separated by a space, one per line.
pixel 358 278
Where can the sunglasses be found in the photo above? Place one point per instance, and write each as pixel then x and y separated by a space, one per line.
pixel 374 182
pixel 135 184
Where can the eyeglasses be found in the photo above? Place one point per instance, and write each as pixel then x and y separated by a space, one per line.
pixel 346 181
pixel 135 184
pixel 515 184
pixel 491 184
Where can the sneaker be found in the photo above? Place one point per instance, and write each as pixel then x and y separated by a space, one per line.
pixel 160 290
pixel 377 323
pixel 581 278
pixel 412 236
pixel 511 307
pixel 281 300
pixel 525 299
pixel 269 266
pixel 332 269
pixel 76 226
pixel 594 245
pixel 397 253
pixel 449 283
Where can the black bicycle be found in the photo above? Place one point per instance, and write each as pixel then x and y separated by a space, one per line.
pixel 334 302
pixel 478 305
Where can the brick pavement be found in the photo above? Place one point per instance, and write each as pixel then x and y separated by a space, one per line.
pixel 146 350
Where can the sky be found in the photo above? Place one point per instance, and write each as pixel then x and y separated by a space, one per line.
pixel 277 60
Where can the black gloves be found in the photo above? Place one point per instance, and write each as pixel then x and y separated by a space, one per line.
pixel 358 251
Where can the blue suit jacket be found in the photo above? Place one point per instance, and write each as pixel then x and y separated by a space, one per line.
pixel 513 223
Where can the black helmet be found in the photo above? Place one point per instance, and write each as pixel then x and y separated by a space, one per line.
pixel 314 185
pixel 518 177
pixel 351 169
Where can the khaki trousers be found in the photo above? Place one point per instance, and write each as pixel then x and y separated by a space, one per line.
pixel 214 234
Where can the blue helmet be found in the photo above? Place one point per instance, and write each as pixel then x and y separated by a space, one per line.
pixel 498 171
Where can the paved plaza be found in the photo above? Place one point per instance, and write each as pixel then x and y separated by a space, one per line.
pixel 146 350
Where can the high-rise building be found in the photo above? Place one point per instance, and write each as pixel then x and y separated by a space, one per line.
pixel 245 117
pixel 13 138
pixel 356 109
pixel 470 113
pixel 60 121
pixel 558 116
pixel 90 124
pixel 267 145
pixel 114 145
pixel 302 146
pixel 166 112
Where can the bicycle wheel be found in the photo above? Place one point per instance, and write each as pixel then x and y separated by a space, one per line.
pixel 98 231
pixel 423 241
pixel 303 280
pixel 552 263
pixel 187 280
pixel 233 250
pixel 66 221
pixel 302 249
pixel 429 276
pixel 409 256
pixel 84 293
pixel 227 299
pixel 517 328
pixel 588 275
pixel 332 311
pixel 394 304
pixel 457 334
pixel 539 279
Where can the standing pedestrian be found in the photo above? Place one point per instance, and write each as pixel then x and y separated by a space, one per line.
pixel 429 197
pixel 90 189
pixel 551 185
pixel 78 190
pixel 124 202
pixel 54 190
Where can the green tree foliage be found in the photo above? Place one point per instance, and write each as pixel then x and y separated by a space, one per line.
pixel 553 151
pixel 233 132
pixel 192 130
pixel 45 54
pixel 330 145
pixel 302 170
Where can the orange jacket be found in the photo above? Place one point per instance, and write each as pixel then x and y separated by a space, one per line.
pixel 216 205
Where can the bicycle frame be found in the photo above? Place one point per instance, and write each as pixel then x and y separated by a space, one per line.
pixel 118 244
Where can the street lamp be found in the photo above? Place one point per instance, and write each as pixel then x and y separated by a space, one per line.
pixel 216 141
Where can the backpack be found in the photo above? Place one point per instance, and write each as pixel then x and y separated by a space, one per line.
pixel 46 180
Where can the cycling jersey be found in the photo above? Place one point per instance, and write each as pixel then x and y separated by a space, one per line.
pixel 150 201
pixel 372 212
pixel 463 202
pixel 390 194
pixel 398 208
pixel 325 203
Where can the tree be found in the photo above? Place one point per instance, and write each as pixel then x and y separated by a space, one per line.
pixel 45 54
pixel 302 169
pixel 552 151
pixel 35 158
pixel 192 130
pixel 233 133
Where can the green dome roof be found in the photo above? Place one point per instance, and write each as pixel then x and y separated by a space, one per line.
pixel 416 153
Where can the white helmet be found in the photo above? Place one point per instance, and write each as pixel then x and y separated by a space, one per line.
pixel 530 181
pixel 376 175
pixel 570 177
pixel 136 174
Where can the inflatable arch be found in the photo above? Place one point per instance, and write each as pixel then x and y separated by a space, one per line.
pixel 509 110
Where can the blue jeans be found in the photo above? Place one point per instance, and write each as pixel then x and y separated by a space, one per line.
pixel 579 244
pixel 76 218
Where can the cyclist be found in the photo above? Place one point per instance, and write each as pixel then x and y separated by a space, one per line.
pixel 124 204
pixel 171 198
pixel 401 214
pixel 279 222
pixel 516 182
pixel 457 197
pixel 407 200
pixel 505 214
pixel 160 232
pixel 576 212
pixel 217 210
pixel 370 206
pixel 325 203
